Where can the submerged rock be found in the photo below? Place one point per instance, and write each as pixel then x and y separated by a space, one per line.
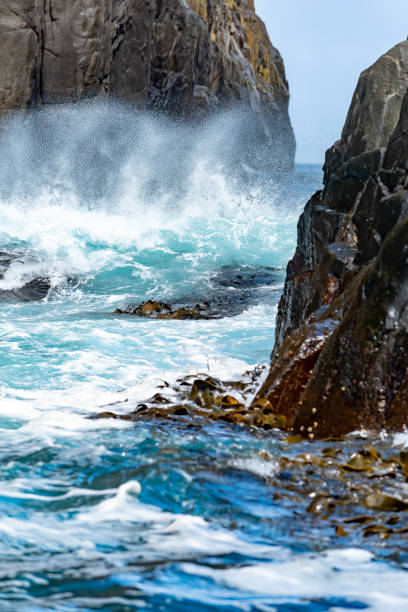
pixel 31 291
pixel 208 399
pixel 187 57
pixel 160 310
pixel 224 293
pixel 341 356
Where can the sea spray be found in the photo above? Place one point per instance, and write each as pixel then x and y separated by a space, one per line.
pixel 115 207
pixel 82 185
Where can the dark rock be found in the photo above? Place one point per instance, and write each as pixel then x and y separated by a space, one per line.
pixel 225 293
pixel 160 310
pixel 183 57
pixel 375 109
pixel 341 356
pixel 32 291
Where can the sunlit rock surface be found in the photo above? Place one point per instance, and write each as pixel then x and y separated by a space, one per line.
pixel 341 355
pixel 178 56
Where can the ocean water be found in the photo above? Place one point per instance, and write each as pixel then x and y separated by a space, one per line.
pixel 115 207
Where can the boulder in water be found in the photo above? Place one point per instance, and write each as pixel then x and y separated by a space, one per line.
pixel 160 310
pixel 226 292
pixel 31 291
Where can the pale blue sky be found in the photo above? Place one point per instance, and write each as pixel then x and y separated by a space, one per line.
pixel 325 45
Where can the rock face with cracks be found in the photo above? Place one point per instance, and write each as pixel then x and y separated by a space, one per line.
pixel 180 56
pixel 341 356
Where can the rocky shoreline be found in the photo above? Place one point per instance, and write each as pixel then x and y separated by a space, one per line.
pixel 344 486
pixel 340 361
pixel 142 466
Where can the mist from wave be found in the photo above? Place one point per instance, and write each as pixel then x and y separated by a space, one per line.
pixel 81 186
pixel 113 207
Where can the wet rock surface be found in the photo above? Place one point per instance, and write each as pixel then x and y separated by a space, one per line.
pixel 160 310
pixel 349 488
pixel 31 291
pixel 203 398
pixel 340 361
pixel 226 293
pixel 182 57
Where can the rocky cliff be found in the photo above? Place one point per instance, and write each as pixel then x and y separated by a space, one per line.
pixel 181 56
pixel 341 355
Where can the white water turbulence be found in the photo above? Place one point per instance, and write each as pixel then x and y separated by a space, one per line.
pixel 111 207
pixel 102 207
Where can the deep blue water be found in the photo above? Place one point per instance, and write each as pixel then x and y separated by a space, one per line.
pixel 116 208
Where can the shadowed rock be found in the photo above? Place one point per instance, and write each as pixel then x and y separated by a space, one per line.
pixel 34 290
pixel 340 361
pixel 183 57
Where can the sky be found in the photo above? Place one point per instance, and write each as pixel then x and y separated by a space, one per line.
pixel 325 45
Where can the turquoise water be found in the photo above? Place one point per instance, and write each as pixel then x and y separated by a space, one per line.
pixel 114 208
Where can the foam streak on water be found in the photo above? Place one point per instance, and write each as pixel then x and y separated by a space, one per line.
pixel 115 207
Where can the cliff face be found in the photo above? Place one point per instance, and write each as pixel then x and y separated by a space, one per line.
pixel 181 56
pixel 341 355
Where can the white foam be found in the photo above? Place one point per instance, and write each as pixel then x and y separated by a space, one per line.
pixel 273 574
pixel 350 574
pixel 150 195
pixel 264 468
pixel 401 439
pixel 162 534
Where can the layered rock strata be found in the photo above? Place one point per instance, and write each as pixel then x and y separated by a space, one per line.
pixel 184 57
pixel 341 356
